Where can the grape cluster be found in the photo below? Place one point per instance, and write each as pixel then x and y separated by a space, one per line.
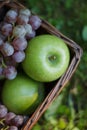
pixel 9 120
pixel 16 29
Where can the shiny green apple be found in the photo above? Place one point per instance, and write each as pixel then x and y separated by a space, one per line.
pixel 47 58
pixel 21 93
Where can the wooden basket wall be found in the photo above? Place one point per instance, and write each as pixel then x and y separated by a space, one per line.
pixel 76 53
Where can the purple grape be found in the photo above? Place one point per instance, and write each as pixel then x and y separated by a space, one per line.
pixel 35 22
pixel 2 23
pixel 1 41
pixel 10 72
pixel 19 31
pixel 11 16
pixel 28 28
pixel 10 62
pixel 1 71
pixel 3 37
pixel 6 29
pixel 22 19
pixel 13 128
pixel 17 120
pixel 19 43
pixel 18 56
pixel 30 35
pixel 9 117
pixel 26 12
pixel 7 49
pixel 3 111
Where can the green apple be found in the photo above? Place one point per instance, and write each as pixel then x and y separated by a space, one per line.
pixel 20 94
pixel 47 58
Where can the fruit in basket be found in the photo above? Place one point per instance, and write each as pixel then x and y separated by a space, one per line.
pixel 20 94
pixel 47 58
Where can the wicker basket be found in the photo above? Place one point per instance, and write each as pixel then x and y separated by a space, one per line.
pixel 76 53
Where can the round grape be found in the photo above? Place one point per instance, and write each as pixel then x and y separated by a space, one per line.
pixel 8 117
pixel 1 71
pixel 1 41
pixel 10 72
pixel 35 22
pixel 19 43
pixel 7 49
pixel 6 29
pixel 28 28
pixel 13 128
pixel 22 19
pixel 30 35
pixel 11 16
pixel 18 56
pixel 3 111
pixel 19 31
pixel 10 61
pixel 26 12
pixel 2 23
pixel 3 37
pixel 17 120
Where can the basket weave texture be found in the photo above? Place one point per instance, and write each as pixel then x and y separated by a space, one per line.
pixel 76 53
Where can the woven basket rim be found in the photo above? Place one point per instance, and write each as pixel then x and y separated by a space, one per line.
pixel 64 78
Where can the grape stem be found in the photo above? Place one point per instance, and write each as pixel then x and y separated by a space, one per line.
pixel 12 37
pixel 3 125
pixel 9 39
pixel 6 128
pixel 3 64
pixel 2 122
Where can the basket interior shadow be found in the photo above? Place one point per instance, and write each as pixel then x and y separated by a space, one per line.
pixel 57 86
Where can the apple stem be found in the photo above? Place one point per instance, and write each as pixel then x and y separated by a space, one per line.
pixel 51 58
